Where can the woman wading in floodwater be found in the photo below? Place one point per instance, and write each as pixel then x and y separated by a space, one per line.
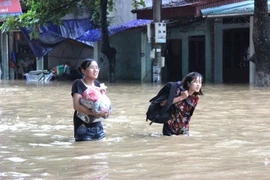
pixel 91 129
pixel 185 103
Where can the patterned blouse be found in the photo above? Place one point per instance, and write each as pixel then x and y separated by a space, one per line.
pixel 181 115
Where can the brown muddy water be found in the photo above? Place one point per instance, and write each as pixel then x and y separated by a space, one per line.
pixel 229 136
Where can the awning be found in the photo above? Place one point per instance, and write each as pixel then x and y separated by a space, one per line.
pixel 78 30
pixel 95 34
pixel 52 35
pixel 234 9
pixel 10 8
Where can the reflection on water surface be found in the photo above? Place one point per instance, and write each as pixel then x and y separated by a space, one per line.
pixel 229 135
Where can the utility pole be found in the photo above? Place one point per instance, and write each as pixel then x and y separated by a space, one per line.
pixel 158 36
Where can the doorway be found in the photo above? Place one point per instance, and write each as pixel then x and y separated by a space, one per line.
pixel 197 54
pixel 173 55
pixel 235 55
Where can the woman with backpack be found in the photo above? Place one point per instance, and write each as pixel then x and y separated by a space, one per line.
pixel 184 104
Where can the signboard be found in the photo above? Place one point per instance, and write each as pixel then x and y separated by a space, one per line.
pixel 10 8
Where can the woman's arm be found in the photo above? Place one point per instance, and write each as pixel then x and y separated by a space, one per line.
pixel 79 107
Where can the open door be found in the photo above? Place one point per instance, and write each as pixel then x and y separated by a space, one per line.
pixel 197 54
pixel 235 55
pixel 174 59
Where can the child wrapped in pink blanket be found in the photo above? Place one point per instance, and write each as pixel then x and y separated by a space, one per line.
pixel 95 99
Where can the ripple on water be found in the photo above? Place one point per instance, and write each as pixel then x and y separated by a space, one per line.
pixel 40 135
pixel 15 159
pixel 82 157
pixel 5 152
pixel 39 158
pixel 41 145
pixel 156 134
pixel 58 143
pixel 14 174
pixel 231 143
pixel 266 161
pixel 115 139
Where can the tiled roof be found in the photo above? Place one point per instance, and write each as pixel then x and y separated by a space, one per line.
pixel 170 4
pixel 234 9
pixel 181 8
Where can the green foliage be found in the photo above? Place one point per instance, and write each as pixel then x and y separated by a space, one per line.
pixel 110 5
pixel 137 3
pixel 96 14
pixel 41 12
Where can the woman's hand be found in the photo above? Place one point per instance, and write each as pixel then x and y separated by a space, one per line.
pixel 184 94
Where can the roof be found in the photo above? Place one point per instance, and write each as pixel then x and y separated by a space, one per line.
pixel 234 9
pixel 169 4
pixel 181 8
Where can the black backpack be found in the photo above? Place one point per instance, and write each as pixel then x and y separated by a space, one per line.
pixel 161 114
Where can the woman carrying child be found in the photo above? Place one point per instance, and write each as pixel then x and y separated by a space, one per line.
pixel 91 129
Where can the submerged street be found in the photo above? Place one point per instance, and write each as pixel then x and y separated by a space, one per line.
pixel 229 135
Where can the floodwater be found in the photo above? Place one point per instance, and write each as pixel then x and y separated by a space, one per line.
pixel 229 136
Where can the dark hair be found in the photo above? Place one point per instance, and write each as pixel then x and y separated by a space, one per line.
pixel 189 78
pixel 85 64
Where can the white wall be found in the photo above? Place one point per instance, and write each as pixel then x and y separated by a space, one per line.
pixel 83 12
pixel 122 13
pixel 149 3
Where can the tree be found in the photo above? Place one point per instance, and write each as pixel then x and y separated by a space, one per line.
pixel 261 43
pixel 106 49
pixel 41 12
